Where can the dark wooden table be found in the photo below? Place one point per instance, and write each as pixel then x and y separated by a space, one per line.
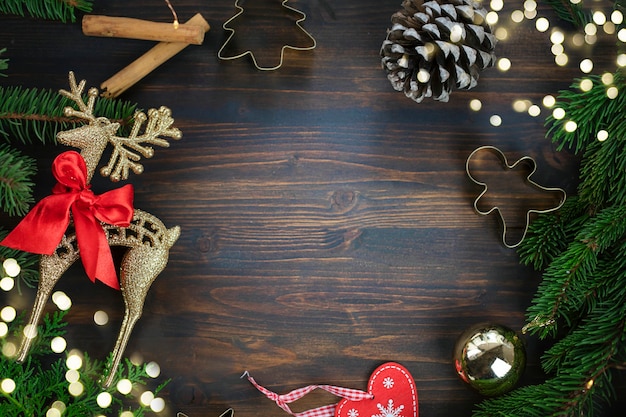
pixel 327 220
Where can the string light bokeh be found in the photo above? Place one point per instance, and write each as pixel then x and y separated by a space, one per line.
pixel 74 358
pixel 565 45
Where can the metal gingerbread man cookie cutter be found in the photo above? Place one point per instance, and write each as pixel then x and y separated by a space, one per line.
pixel 505 165
pixel 240 11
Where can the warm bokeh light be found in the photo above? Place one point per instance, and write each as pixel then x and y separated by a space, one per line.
pixel 495 120
pixel 492 18
pixel 607 78
pixel 557 36
pixel 558 113
pixel 542 24
pixel 534 110
pixel 8 314
pixel 561 60
pixel 570 126
pixel 517 16
pixel 496 5
pixel 521 106
pixel 504 64
pixel 9 349
pixel 146 398
pixel 124 386
pixel 7 283
pixel 549 101
pixel 72 375
pixel 586 84
pixel 11 267
pixel 76 388
pixel 30 331
pixel 586 65
pixel 53 412
pixel 475 104
pixel 153 369
pixel 599 17
pixel 62 301
pixel 100 318
pixel 602 135
pixel 157 405
pixel 58 344
pixel 104 399
pixel 74 361
pixel 612 92
pixel 7 385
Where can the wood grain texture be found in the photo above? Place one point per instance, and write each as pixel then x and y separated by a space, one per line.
pixel 327 221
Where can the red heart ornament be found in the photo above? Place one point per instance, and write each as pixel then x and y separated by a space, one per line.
pixel 394 394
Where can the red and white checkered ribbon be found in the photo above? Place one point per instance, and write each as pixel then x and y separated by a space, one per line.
pixel 324 411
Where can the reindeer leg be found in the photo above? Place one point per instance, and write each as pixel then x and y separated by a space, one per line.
pixel 128 323
pixel 140 267
pixel 51 268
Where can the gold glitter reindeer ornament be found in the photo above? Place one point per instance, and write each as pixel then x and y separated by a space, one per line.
pixel 115 221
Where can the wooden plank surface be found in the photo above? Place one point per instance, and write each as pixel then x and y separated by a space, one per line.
pixel 327 220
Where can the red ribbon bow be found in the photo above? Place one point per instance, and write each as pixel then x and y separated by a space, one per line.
pixel 43 227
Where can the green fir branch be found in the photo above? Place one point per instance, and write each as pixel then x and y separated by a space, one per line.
pixel 591 110
pixel 16 174
pixel 62 10
pixel 29 264
pixel 570 12
pixel 4 63
pixel 41 379
pixel 582 365
pixel 549 234
pixel 32 114
pixel 561 294
pixel 51 327
pixel 581 249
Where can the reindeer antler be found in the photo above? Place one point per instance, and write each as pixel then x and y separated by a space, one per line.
pixel 124 159
pixel 76 95
pixel 93 138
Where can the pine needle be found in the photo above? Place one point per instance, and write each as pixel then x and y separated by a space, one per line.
pixel 16 174
pixel 30 115
pixel 62 10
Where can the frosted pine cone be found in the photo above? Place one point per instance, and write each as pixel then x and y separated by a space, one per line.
pixel 437 45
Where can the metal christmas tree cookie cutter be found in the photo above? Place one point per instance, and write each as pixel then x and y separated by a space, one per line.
pixel 506 166
pixel 240 11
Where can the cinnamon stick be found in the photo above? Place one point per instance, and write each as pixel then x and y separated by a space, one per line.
pixel 146 63
pixel 126 27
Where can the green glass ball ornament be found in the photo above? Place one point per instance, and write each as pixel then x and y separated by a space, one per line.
pixel 490 358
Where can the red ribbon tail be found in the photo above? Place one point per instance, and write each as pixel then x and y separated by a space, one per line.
pixel 42 229
pixel 95 252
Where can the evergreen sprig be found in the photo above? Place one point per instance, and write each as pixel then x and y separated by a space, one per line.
pixel 582 363
pixel 573 277
pixel 4 63
pixel 62 10
pixel 591 110
pixel 581 300
pixel 29 114
pixel 28 262
pixel 39 385
pixel 570 12
pixel 16 174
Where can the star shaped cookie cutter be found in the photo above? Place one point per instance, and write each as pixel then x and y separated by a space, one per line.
pixel 505 165
pixel 298 22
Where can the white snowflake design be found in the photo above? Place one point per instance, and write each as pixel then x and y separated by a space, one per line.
pixel 388 382
pixel 353 413
pixel 389 411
